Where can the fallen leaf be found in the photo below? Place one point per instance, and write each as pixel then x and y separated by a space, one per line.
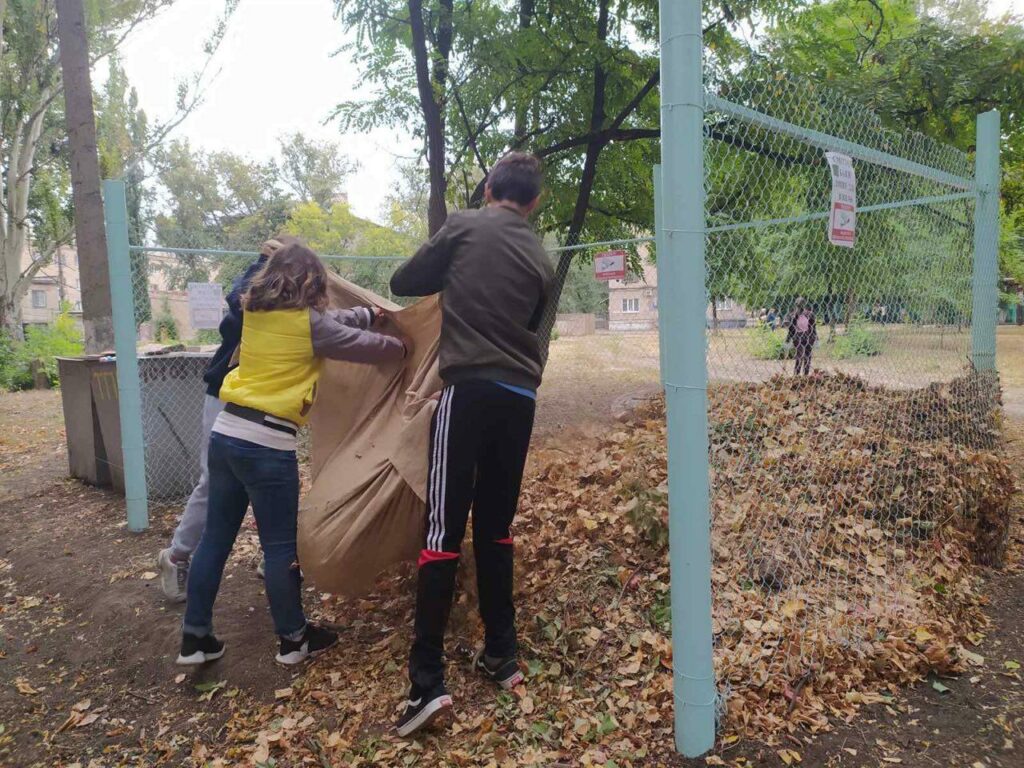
pixel 790 756
pixel 149 575
pixel 939 687
pixel 87 720
pixel 83 705
pixel 1011 665
pixel 283 693
pixel 24 687
pixel 179 679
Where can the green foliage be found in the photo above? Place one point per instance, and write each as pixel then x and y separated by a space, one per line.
pixel 582 292
pixel 339 232
pixel 122 133
pixel 165 327
pixel 766 344
pixel 314 171
pixel 860 340
pixel 206 336
pixel 44 344
pixel 8 352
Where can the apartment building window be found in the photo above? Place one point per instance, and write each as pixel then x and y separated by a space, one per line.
pixel 39 299
pixel 631 305
pixel 725 305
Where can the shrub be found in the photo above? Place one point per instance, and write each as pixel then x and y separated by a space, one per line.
pixel 8 360
pixel 165 328
pixel 766 344
pixel 858 341
pixel 46 343
pixel 207 336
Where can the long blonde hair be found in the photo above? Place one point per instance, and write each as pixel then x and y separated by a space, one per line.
pixel 293 278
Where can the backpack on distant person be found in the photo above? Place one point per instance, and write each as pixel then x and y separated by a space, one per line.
pixel 803 323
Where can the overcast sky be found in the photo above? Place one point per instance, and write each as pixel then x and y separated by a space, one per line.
pixel 276 76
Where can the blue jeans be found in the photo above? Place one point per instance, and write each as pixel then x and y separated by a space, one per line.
pixel 242 472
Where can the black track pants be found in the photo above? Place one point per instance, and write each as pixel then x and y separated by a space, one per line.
pixel 480 436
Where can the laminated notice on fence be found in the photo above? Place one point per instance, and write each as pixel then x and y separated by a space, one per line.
pixel 370 425
pixel 205 305
pixel 610 265
pixel 842 219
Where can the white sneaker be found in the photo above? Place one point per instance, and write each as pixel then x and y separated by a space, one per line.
pixel 173 576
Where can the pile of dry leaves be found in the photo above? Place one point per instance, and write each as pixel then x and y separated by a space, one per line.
pixel 847 521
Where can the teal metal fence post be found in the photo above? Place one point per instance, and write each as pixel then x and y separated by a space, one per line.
pixel 681 311
pixel 985 293
pixel 129 399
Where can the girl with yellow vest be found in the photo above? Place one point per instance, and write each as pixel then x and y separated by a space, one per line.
pixel 286 332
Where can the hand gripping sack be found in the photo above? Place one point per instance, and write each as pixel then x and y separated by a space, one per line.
pixel 370 429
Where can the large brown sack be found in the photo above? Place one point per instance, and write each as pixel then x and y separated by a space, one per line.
pixel 370 429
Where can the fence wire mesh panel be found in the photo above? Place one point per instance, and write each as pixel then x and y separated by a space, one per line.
pixel 847 423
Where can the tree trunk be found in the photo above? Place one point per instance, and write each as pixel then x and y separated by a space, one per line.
pixel 61 290
pixel 10 317
pixel 431 85
pixel 587 179
pixel 527 8
pixel 714 314
pixel 851 304
pixel 90 235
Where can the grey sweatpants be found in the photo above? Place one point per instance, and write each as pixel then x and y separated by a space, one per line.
pixel 193 520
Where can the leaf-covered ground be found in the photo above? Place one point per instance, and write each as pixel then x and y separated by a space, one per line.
pixel 811 626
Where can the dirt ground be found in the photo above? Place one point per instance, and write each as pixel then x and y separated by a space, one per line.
pixel 87 641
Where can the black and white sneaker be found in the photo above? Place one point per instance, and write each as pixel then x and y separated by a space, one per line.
pixel 505 672
pixel 314 641
pixel 199 650
pixel 424 710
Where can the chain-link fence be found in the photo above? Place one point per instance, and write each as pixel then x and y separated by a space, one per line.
pixel 833 491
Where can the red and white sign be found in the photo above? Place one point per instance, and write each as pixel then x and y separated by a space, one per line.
pixel 610 265
pixel 842 219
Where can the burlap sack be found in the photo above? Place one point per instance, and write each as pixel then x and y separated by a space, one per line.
pixel 370 428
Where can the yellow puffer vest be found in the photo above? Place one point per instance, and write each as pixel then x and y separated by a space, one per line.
pixel 277 370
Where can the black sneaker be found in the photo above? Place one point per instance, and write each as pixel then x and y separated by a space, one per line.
pixel 314 641
pixel 505 672
pixel 424 710
pixel 199 650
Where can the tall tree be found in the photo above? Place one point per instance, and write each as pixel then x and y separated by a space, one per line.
pixel 123 139
pixel 313 170
pixel 574 81
pixel 31 91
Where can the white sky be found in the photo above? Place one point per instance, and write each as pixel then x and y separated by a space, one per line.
pixel 276 76
pixel 998 7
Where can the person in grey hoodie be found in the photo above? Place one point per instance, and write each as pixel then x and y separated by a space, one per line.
pixel 494 278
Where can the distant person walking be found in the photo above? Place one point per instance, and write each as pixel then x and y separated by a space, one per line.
pixel 802 334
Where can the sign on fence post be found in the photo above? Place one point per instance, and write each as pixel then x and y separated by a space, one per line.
pixel 205 305
pixel 842 220
pixel 610 265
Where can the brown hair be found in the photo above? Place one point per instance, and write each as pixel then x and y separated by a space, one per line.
pixel 293 278
pixel 516 177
